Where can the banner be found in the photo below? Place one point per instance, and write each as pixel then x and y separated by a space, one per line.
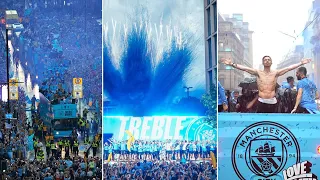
pixel 13 87
pixel 159 128
pixel 64 111
pixel 77 88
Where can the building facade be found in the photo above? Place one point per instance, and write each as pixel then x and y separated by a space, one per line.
pixel 235 42
pixel 312 41
pixel 211 26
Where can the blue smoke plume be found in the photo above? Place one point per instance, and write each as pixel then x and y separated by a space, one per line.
pixel 139 88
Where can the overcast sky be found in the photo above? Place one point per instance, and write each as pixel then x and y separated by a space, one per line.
pixel 266 18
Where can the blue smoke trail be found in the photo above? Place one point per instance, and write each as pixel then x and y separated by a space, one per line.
pixel 138 88
pixel 136 67
pixel 111 76
pixel 169 73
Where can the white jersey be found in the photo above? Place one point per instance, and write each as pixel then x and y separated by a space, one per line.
pixel 184 146
pixel 168 146
pixel 177 147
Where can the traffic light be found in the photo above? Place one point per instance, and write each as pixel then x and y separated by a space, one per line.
pixel 318 149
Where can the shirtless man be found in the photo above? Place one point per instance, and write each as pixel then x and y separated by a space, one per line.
pixel 266 80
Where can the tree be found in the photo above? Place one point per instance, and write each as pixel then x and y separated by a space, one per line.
pixel 209 100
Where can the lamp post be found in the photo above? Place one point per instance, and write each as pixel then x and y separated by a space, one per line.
pixel 7 47
pixel 188 90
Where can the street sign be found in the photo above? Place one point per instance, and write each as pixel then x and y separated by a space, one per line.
pixel 77 88
pixel 9 116
pixel 13 87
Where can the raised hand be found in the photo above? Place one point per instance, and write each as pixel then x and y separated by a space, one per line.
pixel 305 61
pixel 226 61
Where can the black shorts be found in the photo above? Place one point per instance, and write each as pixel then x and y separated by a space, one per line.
pixel 266 108
pixel 220 108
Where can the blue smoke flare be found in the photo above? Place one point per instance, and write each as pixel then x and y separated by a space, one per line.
pixel 139 87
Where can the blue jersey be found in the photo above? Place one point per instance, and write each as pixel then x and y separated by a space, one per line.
pixel 135 147
pixel 140 148
pixel 123 146
pixel 146 148
pixel 198 147
pixel 116 147
pixel 204 148
pixel 309 90
pixel 110 149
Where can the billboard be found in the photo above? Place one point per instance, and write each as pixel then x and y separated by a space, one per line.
pixel 190 128
pixel 154 58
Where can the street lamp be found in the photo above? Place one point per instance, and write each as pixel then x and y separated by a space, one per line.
pixel 188 90
pixel 7 47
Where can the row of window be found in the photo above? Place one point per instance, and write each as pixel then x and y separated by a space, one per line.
pixel 211 14
pixel 214 12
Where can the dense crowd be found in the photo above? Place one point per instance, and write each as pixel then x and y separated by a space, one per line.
pixel 65 169
pixel 30 151
pixel 61 45
pixel 2 59
pixel 159 150
pixel 159 170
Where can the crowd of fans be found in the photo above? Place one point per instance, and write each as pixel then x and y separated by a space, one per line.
pixel 65 169
pixel 152 150
pixel 2 59
pixel 59 45
pixel 245 101
pixel 56 46
pixel 161 170
pixel 23 144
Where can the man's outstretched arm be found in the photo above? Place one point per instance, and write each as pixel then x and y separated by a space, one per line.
pixel 292 67
pixel 249 70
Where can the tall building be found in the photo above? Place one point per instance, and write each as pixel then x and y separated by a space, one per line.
pixel 210 28
pixel 311 37
pixel 242 29
pixel 235 42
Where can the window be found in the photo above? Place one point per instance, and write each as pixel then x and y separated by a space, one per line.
pixel 221 80
pixel 209 21
pixel 208 2
pixel 215 49
pixel 215 17
pixel 210 52
pixel 210 78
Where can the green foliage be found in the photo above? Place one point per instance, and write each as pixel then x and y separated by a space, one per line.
pixel 209 100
